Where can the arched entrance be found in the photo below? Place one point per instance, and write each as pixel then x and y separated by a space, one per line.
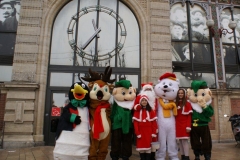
pixel 89 34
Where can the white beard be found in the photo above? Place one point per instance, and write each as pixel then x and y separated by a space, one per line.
pixel 197 107
pixel 125 104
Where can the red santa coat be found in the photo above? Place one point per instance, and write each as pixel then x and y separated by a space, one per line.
pixel 183 121
pixel 145 126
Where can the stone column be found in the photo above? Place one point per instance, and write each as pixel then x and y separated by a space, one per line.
pixel 161 56
pixel 22 91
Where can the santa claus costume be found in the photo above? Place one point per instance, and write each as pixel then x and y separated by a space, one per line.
pixel 183 123
pixel 145 126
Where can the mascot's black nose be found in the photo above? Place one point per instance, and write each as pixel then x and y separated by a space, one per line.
pixel 165 86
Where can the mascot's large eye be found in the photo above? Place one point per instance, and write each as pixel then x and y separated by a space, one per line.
pixel 170 84
pixel 163 83
pixel 123 93
pixel 95 87
pixel 195 94
pixel 83 85
pixel 130 92
pixel 106 89
pixel 203 94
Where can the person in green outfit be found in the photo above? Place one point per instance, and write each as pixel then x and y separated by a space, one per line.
pixel 121 116
pixel 200 97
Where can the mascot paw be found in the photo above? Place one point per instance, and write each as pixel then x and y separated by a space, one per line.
pixel 77 120
pixel 139 136
pixel 202 104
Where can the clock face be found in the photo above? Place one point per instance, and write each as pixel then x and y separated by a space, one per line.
pixel 84 46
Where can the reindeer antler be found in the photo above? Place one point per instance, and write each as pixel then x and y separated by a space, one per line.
pixel 107 74
pixel 103 76
pixel 93 76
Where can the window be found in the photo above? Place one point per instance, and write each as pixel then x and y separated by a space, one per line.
pixel 231 46
pixel 192 52
pixel 95 34
pixel 9 17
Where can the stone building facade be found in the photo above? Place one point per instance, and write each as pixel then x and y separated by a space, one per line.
pixel 23 98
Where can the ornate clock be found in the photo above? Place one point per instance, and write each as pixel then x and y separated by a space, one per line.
pixel 81 50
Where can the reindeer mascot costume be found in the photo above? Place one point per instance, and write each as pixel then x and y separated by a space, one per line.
pixel 100 111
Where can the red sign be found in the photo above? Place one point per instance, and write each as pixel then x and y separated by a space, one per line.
pixel 56 111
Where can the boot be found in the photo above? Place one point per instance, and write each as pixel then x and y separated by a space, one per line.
pixel 207 156
pixel 143 156
pixel 197 154
pixel 114 158
pixel 182 157
pixel 186 158
pixel 153 156
pixel 197 158
pixel 125 158
pixel 147 156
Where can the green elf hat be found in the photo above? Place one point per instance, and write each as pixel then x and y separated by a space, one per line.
pixel 195 85
pixel 123 83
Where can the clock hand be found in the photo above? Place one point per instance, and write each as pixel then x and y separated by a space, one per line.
pixel 95 27
pixel 91 38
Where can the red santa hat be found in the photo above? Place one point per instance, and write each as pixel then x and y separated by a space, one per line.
pixel 138 101
pixel 168 75
pixel 149 83
pixel 143 97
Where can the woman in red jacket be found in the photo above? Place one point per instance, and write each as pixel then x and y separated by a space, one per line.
pixel 145 126
pixel 183 123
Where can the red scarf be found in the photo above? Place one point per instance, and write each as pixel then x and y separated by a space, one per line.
pixel 73 111
pixel 98 125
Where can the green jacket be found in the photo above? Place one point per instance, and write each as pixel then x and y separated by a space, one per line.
pixel 121 118
pixel 202 119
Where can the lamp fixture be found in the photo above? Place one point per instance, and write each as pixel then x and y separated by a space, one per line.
pixel 210 24
pixel 232 25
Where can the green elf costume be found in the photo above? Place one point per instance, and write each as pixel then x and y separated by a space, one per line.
pixel 200 136
pixel 121 117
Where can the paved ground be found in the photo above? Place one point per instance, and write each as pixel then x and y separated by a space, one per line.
pixel 221 151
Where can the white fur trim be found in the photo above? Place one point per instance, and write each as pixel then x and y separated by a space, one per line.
pixel 154 118
pixel 188 128
pixel 144 120
pixel 186 113
pixel 140 149
pixel 140 117
pixel 182 137
pixel 154 135
pixel 135 107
